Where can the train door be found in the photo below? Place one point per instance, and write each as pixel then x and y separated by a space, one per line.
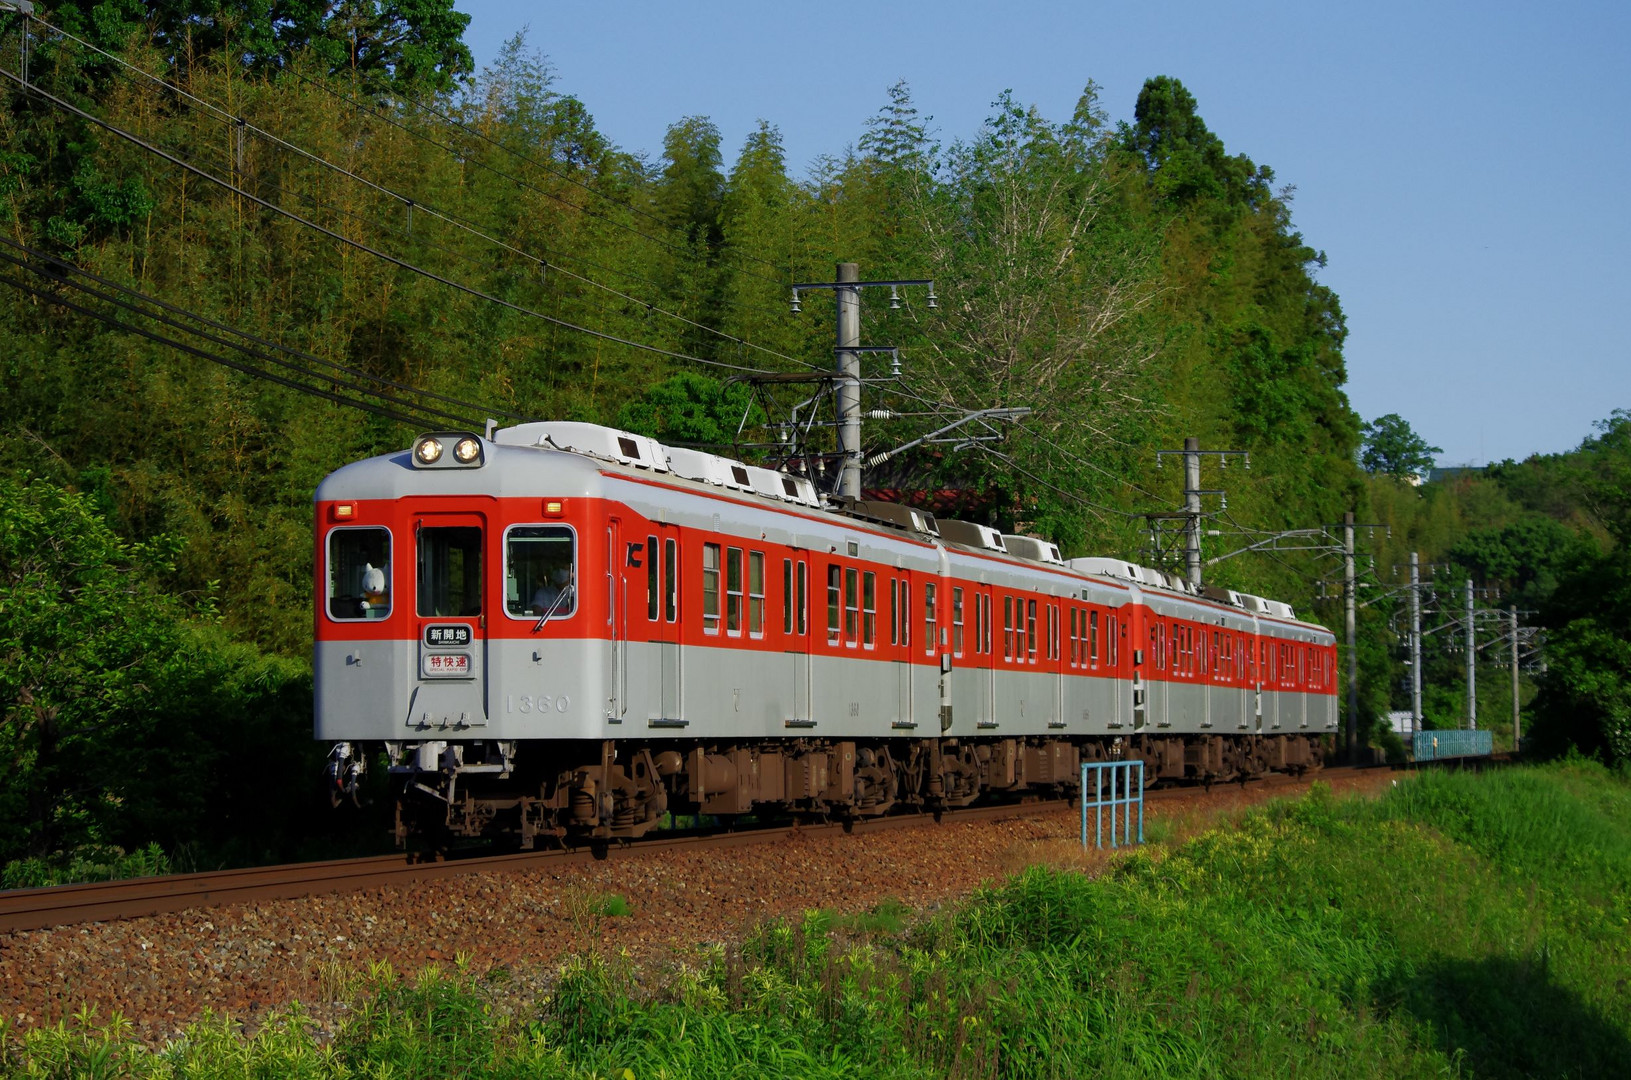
pixel 1240 651
pixel 659 666
pixel 618 565
pixel 796 627
pixel 450 621
pixel 671 661
pixel 900 641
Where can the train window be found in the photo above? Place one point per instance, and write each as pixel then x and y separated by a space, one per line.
pixel 1019 629
pixel 756 593
pixel 852 604
pixel 710 588
pixel 930 619
pixel 1158 644
pixel 1053 631
pixel 671 595
pixel 539 562
pixel 835 577
pixel 450 570
pixel 894 612
pixel 359 573
pixel 957 621
pixel 1073 637
pixel 1008 628
pixel 1093 637
pixel 979 612
pixel 652 579
pixel 1030 628
pixel 869 608
pixel 733 590
pixel 1110 644
pixel 802 606
pixel 905 614
pixel 787 596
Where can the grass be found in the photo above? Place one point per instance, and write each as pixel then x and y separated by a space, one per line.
pixel 1471 925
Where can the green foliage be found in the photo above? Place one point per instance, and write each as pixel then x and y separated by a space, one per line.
pixel 111 688
pixel 1186 161
pixel 88 863
pixel 1585 696
pixel 384 45
pixel 1463 924
pixel 1526 559
pixel 1393 449
pixel 692 410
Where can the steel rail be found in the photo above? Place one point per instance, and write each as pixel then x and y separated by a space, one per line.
pixel 106 901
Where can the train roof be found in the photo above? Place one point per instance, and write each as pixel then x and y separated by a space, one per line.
pixel 596 447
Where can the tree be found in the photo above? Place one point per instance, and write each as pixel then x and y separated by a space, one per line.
pixel 1391 448
pixel 112 691
pixel 1186 161
pixel 691 409
pixel 692 188
pixel 394 46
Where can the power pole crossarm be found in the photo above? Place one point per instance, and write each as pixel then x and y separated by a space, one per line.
pixel 847 288
pixel 1192 454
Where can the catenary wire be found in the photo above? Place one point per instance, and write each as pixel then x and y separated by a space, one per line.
pixel 258 340
pixel 109 298
pixel 247 369
pixel 470 290
pixel 1037 479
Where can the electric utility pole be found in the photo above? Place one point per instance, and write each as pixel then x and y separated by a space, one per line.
pixel 1472 663
pixel 847 352
pixel 1350 625
pixel 1191 513
pixel 1513 613
pixel 1415 643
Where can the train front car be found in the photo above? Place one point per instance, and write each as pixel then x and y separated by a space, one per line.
pixel 452 627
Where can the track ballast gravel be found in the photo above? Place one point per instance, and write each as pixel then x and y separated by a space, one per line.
pixel 244 961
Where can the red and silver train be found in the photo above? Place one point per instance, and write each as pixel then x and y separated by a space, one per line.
pixel 563 630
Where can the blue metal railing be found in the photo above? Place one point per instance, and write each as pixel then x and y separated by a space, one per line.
pixel 1436 745
pixel 1121 775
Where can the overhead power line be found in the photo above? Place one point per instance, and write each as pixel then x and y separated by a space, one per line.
pixel 55 269
pixel 251 370
pixel 358 245
pixel 226 116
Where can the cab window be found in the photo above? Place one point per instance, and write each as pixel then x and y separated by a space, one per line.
pixel 359 574
pixel 539 563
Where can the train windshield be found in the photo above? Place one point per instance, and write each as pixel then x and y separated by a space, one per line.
pixel 539 563
pixel 449 571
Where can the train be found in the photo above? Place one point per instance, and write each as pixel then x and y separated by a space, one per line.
pixel 561 632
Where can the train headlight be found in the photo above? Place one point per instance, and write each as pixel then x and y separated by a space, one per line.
pixel 467 450
pixel 429 451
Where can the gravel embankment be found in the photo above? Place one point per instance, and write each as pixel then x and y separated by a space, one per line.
pixel 163 972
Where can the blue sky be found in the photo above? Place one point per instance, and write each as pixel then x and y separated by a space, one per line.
pixel 1465 167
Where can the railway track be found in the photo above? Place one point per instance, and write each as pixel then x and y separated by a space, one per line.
pixel 64 905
